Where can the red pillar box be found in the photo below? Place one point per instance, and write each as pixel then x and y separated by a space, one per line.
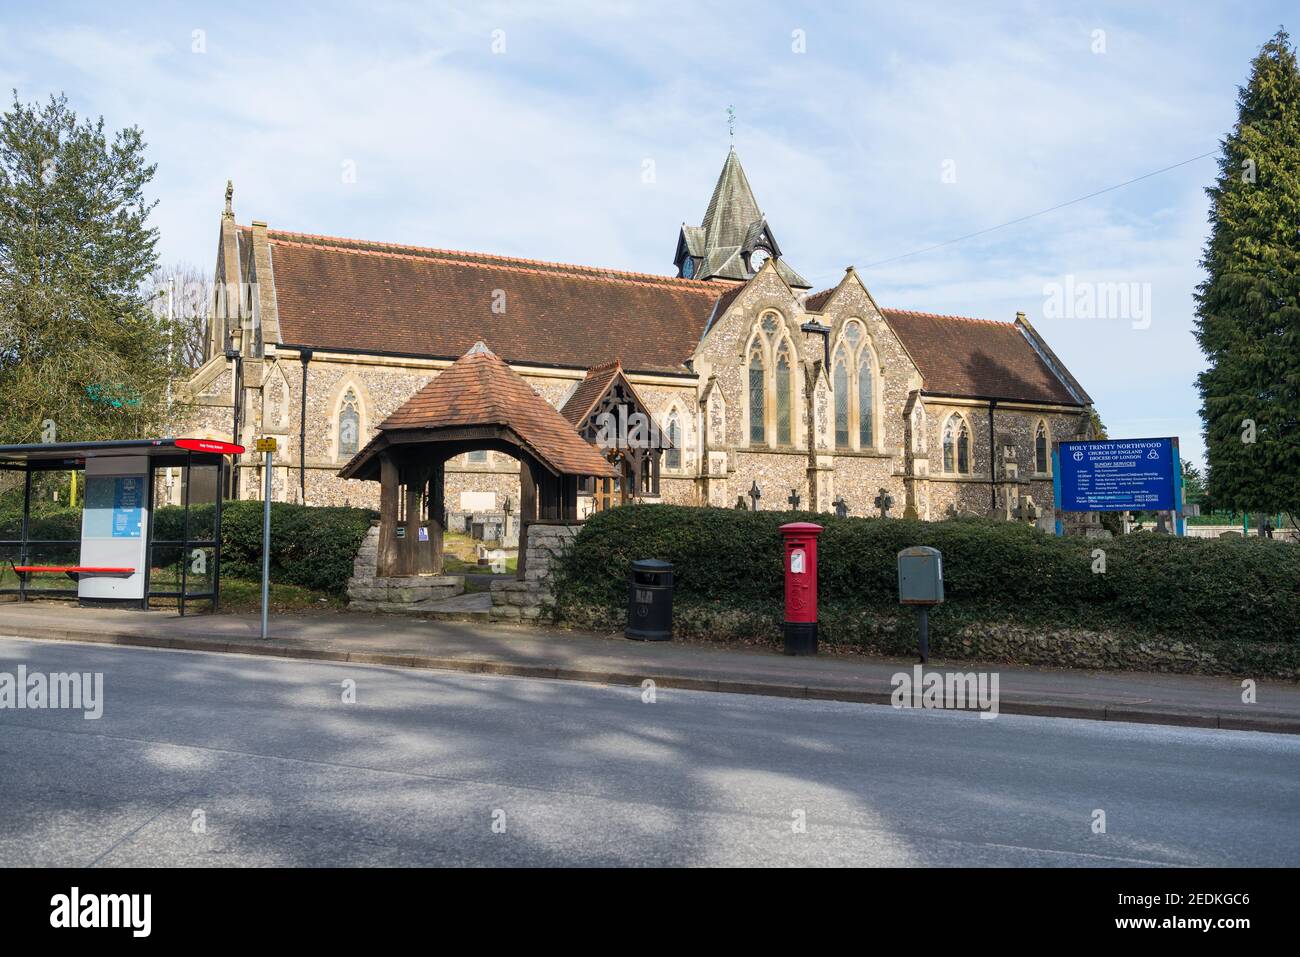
pixel 800 587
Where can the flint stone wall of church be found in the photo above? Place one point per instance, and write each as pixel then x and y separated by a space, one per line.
pixel 775 473
pixel 384 384
pixel 859 479
pixel 969 494
pixel 897 375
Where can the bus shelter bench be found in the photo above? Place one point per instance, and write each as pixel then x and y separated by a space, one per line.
pixel 72 571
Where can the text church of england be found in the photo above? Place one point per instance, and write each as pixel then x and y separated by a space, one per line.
pixel 753 380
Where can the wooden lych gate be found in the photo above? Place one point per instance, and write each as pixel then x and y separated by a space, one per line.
pixel 478 403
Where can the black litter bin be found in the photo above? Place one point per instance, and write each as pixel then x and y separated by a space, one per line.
pixel 650 601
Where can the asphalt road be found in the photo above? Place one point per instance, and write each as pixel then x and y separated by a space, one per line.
pixel 265 754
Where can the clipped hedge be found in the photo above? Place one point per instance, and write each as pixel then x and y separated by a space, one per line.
pixel 1005 583
pixel 311 547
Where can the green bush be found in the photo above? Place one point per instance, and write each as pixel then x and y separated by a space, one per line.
pixel 310 547
pixel 61 524
pixel 727 566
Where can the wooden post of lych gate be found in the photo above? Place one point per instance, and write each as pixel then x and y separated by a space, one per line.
pixel 416 476
pixel 386 559
pixel 433 547
pixel 527 510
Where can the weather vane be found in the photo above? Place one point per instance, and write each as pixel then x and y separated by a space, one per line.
pixel 731 121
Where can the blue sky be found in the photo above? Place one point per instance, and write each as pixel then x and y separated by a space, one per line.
pixel 540 148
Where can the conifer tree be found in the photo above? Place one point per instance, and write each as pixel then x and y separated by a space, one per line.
pixel 82 356
pixel 1248 307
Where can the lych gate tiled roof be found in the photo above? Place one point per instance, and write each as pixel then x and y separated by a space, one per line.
pixel 379 298
pixel 976 358
pixel 479 389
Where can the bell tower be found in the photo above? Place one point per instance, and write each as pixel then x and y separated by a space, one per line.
pixel 734 240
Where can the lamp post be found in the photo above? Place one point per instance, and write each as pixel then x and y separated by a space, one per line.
pixel 305 354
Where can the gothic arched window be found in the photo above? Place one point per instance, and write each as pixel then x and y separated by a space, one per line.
pixel 1040 448
pixel 673 454
pixel 854 384
pixel 349 424
pixel 956 445
pixel 866 389
pixel 841 386
pixel 757 395
pixel 783 379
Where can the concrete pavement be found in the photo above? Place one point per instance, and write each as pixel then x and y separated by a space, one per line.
pixel 1187 700
pixel 419 769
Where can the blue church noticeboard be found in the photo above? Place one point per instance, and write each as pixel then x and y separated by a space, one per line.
pixel 1118 475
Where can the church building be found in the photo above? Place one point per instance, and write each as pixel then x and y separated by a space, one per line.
pixel 729 382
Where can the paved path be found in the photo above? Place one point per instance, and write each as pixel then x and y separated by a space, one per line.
pixel 546 652
pixel 414 771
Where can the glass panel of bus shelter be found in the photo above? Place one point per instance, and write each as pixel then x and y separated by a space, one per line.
pixel 168 523
pixel 53 532
pixel 200 561
pixel 203 481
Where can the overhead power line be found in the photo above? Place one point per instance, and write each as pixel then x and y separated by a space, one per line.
pixel 1041 212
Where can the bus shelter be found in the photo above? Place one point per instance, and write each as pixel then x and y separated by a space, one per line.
pixel 146 524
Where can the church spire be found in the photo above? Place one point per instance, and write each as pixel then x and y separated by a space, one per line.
pixel 734 239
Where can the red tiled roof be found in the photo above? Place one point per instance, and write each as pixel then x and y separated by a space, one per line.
pixel 386 298
pixel 480 389
pixel 976 358
pixel 374 297
pixel 578 406
pixel 815 301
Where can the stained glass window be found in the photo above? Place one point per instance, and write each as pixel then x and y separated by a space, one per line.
pixel 949 461
pixel 673 455
pixel 963 449
pixel 841 403
pixel 783 374
pixel 349 424
pixel 1040 448
pixel 866 388
pixel 757 422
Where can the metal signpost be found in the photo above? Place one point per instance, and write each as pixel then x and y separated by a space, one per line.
pixel 267 446
pixel 1118 475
